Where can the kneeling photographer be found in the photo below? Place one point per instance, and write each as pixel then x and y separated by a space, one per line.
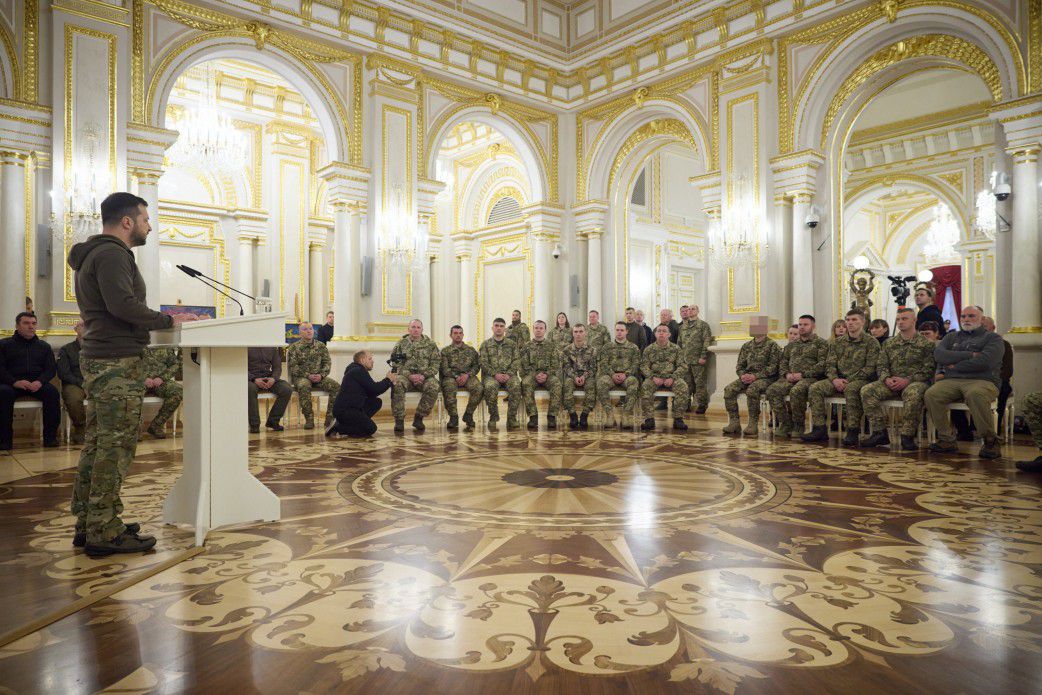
pixel 358 400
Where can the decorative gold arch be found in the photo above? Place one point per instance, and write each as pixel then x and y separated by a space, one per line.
pixel 943 46
pixel 12 58
pixel 506 176
pixel 942 190
pixel 501 193
pixel 666 127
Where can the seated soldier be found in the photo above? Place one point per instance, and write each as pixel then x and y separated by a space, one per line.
pixel 264 367
pixel 309 366
pixel 851 364
pixel 579 371
pixel 541 369
pixel 802 364
pixel 73 395
pixel 662 366
pixel 459 370
pixel 162 365
pixel 756 369
pixel 417 372
pixel 1032 409
pixel 26 369
pixel 969 361
pixel 906 366
pixel 500 359
pixel 618 364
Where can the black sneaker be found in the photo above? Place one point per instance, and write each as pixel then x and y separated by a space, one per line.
pixel 1034 466
pixel 79 539
pixel 533 422
pixel 272 425
pixel 649 424
pixel 453 423
pixel 880 438
pixel 126 543
pixel 818 433
pixel 679 424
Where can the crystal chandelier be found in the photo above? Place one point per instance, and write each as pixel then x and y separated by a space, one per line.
pixel 401 242
pixel 207 140
pixel 735 242
pixel 942 235
pixel 83 193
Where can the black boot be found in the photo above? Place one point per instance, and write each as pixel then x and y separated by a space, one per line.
pixel 468 419
pixel 700 410
pixel 584 423
pixel 1034 466
pixel 679 424
pixel 818 433
pixel 573 421
pixel 453 423
pixel 417 423
pixel 851 439
pixel 79 539
pixel 551 422
pixel 126 543
pixel 399 425
pixel 649 424
pixel 944 447
pixel 273 425
pixel 990 450
pixel 533 422
pixel 880 438
pixel 908 443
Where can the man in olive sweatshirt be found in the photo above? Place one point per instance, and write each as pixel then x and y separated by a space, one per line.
pixel 110 293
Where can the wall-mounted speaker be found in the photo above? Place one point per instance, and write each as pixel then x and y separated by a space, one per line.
pixel 266 288
pixel 367 275
pixel 573 290
pixel 44 249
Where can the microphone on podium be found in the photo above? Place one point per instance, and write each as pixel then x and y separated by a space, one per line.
pixel 193 273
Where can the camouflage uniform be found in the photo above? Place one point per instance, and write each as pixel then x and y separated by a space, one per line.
pixel 854 360
pixel 616 358
pixel 665 362
pixel 1032 409
pixel 912 359
pixel 501 356
pixel 598 336
pixel 694 339
pixel 579 361
pixel 561 336
pixel 311 358
pixel 519 333
pixel 541 356
pixel 761 360
pixel 457 360
pixel 421 357
pixel 806 357
pixel 164 363
pixel 114 389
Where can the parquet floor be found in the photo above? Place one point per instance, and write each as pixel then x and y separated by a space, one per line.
pixel 556 562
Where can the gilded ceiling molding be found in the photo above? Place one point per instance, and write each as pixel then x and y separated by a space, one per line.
pixel 30 51
pixel 665 127
pixel 7 41
pixel 927 46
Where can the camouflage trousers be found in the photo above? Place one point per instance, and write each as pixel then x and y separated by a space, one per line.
pixel 553 389
pixel 1032 410
pixel 114 390
pixel 513 389
pixel 449 390
pixel 873 395
pixel 796 412
pixel 605 385
pixel 753 393
pixel 697 378
pixel 589 389
pixel 681 397
pixel 428 388
pixel 824 389
pixel 304 387
pixel 172 393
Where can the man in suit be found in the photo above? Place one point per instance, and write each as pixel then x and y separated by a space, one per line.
pixel 358 400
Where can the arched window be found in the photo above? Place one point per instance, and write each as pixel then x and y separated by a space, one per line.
pixel 506 208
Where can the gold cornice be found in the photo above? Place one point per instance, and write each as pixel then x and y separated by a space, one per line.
pixel 30 50
pixel 955 116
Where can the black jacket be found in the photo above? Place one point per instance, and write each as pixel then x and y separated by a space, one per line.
pixel 111 295
pixel 649 335
pixel 324 333
pixel 69 364
pixel 356 387
pixel 31 360
pixel 930 312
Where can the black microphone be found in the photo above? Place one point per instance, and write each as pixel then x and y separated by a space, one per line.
pixel 193 273
pixel 196 274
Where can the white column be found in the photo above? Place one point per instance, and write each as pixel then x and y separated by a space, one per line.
pixel 347 221
pixel 466 292
pixel 12 237
pixel 421 288
pixel 802 258
pixel 543 278
pixel 435 314
pixel 594 295
pixel 715 308
pixel 148 255
pixel 1027 288
pixel 316 302
pixel 245 269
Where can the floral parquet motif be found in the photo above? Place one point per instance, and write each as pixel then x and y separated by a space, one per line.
pixel 655 564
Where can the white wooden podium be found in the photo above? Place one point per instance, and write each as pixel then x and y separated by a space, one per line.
pixel 216 487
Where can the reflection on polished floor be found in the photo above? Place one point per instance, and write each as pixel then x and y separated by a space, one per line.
pixel 594 562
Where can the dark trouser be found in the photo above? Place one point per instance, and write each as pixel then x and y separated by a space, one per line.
pixel 1005 391
pixel 283 392
pixel 52 413
pixel 358 422
pixel 73 397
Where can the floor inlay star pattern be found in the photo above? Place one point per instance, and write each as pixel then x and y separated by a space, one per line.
pixel 660 564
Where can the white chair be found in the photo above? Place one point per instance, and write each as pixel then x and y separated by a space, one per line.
pixel 317 398
pixel 147 400
pixel 931 429
pixel 33 405
pixel 893 408
pixel 634 408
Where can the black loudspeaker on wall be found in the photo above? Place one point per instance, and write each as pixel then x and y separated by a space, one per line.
pixel 573 290
pixel 43 251
pixel 367 275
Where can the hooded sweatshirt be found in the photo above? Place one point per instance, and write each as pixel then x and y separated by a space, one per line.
pixel 110 293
